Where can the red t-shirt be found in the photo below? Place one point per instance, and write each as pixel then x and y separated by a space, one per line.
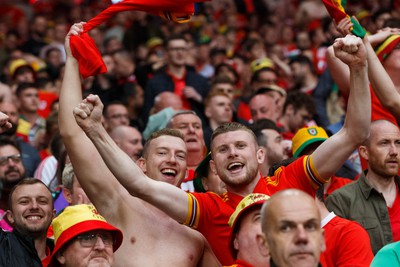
pixel 394 215
pixel 209 213
pixel 179 85
pixel 347 244
pixel 239 263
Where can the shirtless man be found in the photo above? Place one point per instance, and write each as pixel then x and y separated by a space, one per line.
pixel 151 238
pixel 235 158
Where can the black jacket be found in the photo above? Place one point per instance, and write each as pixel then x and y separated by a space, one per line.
pixel 19 251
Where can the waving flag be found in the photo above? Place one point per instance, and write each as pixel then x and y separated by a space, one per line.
pixel 337 12
pixel 83 47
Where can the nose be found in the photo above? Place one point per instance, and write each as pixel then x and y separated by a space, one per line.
pixel 191 129
pixel 99 244
pixel 301 235
pixel 11 162
pixel 232 151
pixel 393 150
pixel 34 204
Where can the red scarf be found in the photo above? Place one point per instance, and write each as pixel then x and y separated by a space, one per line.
pixel 83 47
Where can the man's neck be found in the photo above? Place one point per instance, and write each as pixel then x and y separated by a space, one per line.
pixel 244 190
pixel 177 71
pixel 40 246
pixel 30 117
pixel 384 185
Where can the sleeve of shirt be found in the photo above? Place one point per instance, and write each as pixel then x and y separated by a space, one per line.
pixel 300 174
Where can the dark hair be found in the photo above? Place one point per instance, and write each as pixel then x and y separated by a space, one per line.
pixel 302 60
pixel 256 75
pixel 27 181
pixel 277 165
pixel 8 141
pixel 259 126
pixel 299 100
pixel 115 102
pixel 23 86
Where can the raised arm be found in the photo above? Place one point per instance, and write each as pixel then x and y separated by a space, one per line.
pixel 331 154
pixel 95 178
pixel 382 84
pixel 166 197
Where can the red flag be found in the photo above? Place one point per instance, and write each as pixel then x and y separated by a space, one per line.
pixel 337 12
pixel 83 47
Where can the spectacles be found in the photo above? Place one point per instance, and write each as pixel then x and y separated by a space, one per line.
pixel 177 49
pixel 15 158
pixel 90 239
pixel 119 116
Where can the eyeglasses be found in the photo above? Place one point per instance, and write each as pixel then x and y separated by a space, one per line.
pixel 15 158
pixel 177 49
pixel 119 116
pixel 88 240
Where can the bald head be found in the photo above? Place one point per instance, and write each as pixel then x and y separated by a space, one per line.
pixel 129 139
pixel 291 226
pixel 167 99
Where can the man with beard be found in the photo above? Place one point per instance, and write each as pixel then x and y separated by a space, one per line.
pixel 11 169
pixel 235 158
pixel 270 140
pixel 374 199
pixel 30 213
pixel 30 155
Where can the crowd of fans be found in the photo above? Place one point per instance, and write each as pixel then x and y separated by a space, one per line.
pixel 277 75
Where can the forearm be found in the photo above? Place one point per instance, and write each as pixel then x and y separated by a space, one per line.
pixel 339 71
pixel 382 84
pixel 358 115
pixel 70 96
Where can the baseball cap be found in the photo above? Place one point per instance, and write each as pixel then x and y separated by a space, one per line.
pixel 261 63
pixel 154 42
pixel 78 219
pixel 250 201
pixel 383 49
pixel 200 172
pixel 307 136
pixel 271 87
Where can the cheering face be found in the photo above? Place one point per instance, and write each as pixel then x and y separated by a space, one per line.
pixel 166 160
pixel 236 157
pixel 32 209
pixel 190 126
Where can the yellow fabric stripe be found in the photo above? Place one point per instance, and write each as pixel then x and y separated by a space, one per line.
pixel 192 218
pixel 338 4
pixel 385 44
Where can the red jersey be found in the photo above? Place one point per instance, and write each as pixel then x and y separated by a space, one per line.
pixel 347 243
pixel 239 263
pixel 209 213
pixel 394 215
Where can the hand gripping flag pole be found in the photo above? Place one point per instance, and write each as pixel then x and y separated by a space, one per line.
pixel 84 49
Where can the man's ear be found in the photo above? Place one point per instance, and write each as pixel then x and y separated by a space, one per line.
pixel 141 162
pixel 260 155
pixel 236 243
pixel 323 245
pixel 262 245
pixel 67 195
pixel 213 168
pixel 204 182
pixel 10 217
pixel 60 256
pixel 363 151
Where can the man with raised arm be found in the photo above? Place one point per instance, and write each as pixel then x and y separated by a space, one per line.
pixel 235 158
pixel 151 237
